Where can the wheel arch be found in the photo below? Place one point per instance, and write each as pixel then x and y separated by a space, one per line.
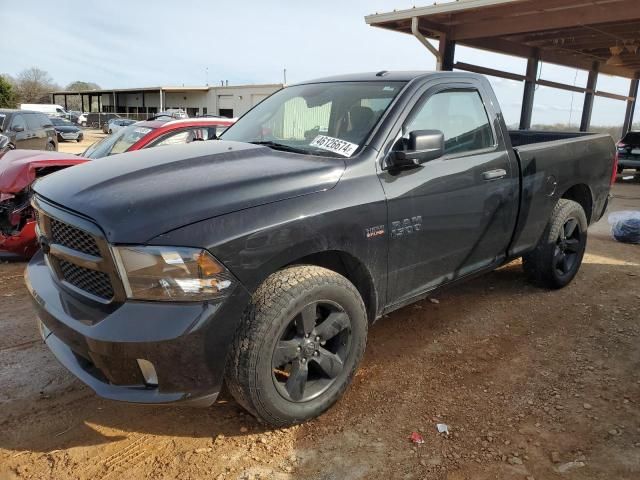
pixel 349 267
pixel 581 194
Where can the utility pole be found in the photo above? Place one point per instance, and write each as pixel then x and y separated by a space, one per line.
pixel 284 76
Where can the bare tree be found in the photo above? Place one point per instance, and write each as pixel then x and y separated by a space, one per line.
pixel 33 85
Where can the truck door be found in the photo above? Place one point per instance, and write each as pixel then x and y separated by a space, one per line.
pixel 20 131
pixel 38 138
pixel 455 215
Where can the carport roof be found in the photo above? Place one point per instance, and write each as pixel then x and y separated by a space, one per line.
pixel 131 90
pixel 574 33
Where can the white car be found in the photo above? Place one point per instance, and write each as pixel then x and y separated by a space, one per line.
pixel 116 124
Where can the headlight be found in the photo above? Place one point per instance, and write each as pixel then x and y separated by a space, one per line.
pixel 171 273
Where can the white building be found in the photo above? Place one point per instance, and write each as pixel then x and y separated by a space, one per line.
pixel 227 101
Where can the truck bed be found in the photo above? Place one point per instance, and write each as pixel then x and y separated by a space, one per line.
pixel 550 164
pixel 527 137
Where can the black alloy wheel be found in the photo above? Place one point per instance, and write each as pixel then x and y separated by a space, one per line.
pixel 568 249
pixel 311 351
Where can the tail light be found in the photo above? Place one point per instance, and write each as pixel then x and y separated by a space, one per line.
pixel 614 173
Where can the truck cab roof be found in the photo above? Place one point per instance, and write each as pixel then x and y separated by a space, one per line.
pixel 386 76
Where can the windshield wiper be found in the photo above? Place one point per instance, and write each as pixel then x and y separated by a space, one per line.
pixel 281 146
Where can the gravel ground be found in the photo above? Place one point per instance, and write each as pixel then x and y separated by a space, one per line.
pixel 532 384
pixel 91 135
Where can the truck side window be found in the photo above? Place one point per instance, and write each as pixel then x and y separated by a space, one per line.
pixel 33 122
pixel 460 115
pixel 18 121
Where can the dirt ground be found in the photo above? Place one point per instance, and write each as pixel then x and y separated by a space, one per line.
pixel 91 135
pixel 532 384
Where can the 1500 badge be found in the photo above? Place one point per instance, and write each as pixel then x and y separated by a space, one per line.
pixel 407 226
pixel 372 232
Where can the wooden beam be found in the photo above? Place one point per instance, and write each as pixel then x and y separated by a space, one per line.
pixel 467 67
pixel 529 93
pixel 612 96
pixel 592 15
pixel 447 50
pixel 631 106
pixel 587 108
pixel 614 31
pixel 561 86
pixel 558 57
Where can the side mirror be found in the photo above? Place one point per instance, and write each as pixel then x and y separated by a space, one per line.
pixel 17 128
pixel 423 146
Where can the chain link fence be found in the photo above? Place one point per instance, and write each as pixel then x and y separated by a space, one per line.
pixel 98 119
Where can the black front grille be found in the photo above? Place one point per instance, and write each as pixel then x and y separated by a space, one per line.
pixel 74 238
pixel 92 281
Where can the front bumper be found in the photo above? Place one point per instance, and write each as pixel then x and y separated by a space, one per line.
pixel 187 343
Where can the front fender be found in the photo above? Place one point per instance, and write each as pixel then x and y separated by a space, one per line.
pixel 258 241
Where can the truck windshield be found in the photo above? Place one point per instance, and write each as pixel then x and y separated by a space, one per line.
pixel 328 119
pixel 118 142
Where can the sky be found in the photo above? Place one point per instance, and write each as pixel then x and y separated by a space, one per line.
pixel 123 44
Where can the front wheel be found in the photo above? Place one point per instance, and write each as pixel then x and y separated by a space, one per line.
pixel 298 346
pixel 558 255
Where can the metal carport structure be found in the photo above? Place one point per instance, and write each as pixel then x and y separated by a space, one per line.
pixel 599 36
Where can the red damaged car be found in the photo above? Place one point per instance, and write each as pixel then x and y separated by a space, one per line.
pixel 20 168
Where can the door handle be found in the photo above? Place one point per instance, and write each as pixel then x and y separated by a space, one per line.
pixel 494 174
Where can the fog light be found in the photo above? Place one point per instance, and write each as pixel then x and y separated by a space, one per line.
pixel 148 372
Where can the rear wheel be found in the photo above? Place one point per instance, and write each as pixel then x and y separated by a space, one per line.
pixel 558 256
pixel 298 346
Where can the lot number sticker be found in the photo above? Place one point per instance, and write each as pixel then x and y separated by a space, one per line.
pixel 341 147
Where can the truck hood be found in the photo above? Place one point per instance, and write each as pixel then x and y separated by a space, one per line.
pixel 19 168
pixel 138 195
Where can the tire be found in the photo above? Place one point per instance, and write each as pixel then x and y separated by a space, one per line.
pixel 109 132
pixel 270 356
pixel 558 256
pixel 83 124
pixel 50 147
pixel 620 169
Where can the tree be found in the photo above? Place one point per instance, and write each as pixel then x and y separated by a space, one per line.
pixel 79 86
pixel 7 94
pixel 33 85
pixel 73 101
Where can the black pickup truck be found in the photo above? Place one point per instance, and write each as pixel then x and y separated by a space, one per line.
pixel 261 259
